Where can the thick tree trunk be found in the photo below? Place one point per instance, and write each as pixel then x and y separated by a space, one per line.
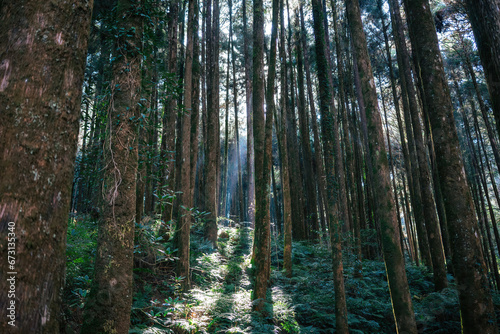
pixel 38 139
pixel 110 298
pixel 475 301
pixel 393 256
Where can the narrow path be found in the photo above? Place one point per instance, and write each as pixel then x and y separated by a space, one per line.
pixel 223 297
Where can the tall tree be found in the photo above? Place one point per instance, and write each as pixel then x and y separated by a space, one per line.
pixel 469 267
pixel 38 139
pixel 327 115
pixel 166 182
pixel 262 126
pixel 110 298
pixel 183 186
pixel 424 173
pixel 211 171
pixel 236 119
pixel 250 216
pixel 386 214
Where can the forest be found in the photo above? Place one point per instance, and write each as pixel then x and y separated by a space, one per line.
pixel 249 166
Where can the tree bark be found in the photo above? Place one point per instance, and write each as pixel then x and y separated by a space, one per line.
pixel 110 299
pixel 38 140
pixel 475 301
pixel 393 256
pixel 211 172
pixel 424 173
pixel 327 116
pixel 262 126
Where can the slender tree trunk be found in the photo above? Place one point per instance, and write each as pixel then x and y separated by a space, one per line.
pixel 475 301
pixel 236 119
pixel 429 210
pixel 263 125
pixel 250 215
pixel 310 187
pixel 167 149
pixel 282 141
pixel 183 186
pixel 195 113
pixel 318 161
pixel 398 283
pixel 36 167
pixel 211 171
pixel 327 116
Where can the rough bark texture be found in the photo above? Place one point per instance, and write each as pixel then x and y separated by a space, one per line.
pixel 110 298
pixel 424 176
pixel 43 50
pixel 468 263
pixel 327 116
pixel 262 229
pixel 386 214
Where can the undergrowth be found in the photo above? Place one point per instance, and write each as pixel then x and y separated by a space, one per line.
pixel 220 298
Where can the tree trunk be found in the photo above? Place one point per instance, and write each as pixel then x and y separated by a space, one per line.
pixel 327 116
pixel 211 172
pixel 38 140
pixel 110 299
pixel 183 201
pixel 250 215
pixel 398 283
pixel 262 126
pixel 167 172
pixel 424 175
pixel 475 301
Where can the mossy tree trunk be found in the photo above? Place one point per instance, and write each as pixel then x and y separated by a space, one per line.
pixel 38 139
pixel 327 132
pixel 424 173
pixel 110 299
pixel 262 129
pixel 476 306
pixel 386 214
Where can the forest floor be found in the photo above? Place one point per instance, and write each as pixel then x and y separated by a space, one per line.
pixel 220 298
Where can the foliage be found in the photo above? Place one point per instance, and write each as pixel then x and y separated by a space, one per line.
pixel 80 253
